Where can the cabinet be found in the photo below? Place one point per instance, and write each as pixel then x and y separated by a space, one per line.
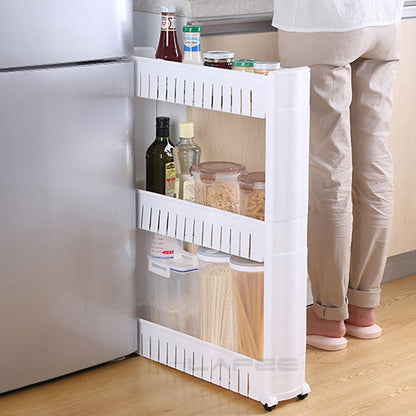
pixel 282 99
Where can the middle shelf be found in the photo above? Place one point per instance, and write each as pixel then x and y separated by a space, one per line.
pixel 209 227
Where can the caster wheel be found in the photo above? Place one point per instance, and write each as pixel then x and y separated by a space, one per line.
pixel 269 408
pixel 302 396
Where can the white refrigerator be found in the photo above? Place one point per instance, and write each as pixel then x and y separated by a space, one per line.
pixel 67 203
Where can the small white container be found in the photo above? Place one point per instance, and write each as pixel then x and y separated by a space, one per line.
pixel 248 294
pixel 216 297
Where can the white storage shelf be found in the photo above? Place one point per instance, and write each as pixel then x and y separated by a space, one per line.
pixel 282 98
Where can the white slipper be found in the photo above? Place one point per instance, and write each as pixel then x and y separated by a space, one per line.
pixel 363 332
pixel 326 343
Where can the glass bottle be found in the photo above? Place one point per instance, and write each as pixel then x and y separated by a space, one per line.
pixel 186 154
pixel 192 45
pixel 160 167
pixel 168 48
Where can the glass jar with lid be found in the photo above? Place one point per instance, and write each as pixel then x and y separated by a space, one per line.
pixel 252 194
pixel 244 65
pixel 216 184
pixel 264 67
pixel 219 59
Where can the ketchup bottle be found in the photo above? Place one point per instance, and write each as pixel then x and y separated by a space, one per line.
pixel 168 48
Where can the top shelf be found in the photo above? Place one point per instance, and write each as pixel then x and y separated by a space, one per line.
pixel 203 87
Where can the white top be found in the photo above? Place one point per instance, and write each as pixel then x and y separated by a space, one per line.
pixel 334 15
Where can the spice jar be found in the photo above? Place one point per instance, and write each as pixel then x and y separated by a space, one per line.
pixel 248 296
pixel 244 65
pixel 263 68
pixel 252 194
pixel 216 297
pixel 219 59
pixel 216 184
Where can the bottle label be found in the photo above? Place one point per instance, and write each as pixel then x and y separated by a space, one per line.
pixel 170 175
pixel 189 190
pixel 168 23
pixel 192 43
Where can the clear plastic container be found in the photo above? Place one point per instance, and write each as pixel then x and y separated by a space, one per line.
pixel 264 67
pixel 216 184
pixel 244 65
pixel 173 294
pixel 248 295
pixel 217 324
pixel 252 194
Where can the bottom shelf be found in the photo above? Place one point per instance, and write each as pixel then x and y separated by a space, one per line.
pixel 217 365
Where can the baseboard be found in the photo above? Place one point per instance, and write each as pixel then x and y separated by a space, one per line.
pixel 397 266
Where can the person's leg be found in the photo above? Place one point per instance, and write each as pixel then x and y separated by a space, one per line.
pixel 372 79
pixel 330 216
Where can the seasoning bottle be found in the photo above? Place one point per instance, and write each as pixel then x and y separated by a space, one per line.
pixel 192 45
pixel 244 65
pixel 219 59
pixel 168 48
pixel 160 167
pixel 185 154
pixel 263 67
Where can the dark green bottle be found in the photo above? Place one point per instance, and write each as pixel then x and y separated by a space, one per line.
pixel 160 167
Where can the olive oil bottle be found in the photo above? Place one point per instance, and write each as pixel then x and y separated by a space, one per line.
pixel 160 166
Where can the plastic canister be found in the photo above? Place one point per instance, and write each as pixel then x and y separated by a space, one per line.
pixel 252 194
pixel 219 59
pixel 244 65
pixel 216 184
pixel 216 297
pixel 264 67
pixel 248 293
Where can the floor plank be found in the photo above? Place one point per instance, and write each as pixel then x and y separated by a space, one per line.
pixel 374 377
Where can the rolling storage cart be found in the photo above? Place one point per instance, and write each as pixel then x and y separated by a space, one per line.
pixel 282 98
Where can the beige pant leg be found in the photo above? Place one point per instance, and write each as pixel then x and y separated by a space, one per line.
pixel 373 197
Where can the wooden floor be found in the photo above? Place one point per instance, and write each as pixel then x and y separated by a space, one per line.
pixel 369 378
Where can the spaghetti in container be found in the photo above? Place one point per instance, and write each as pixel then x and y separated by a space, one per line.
pixel 252 195
pixel 248 295
pixel 216 184
pixel 216 297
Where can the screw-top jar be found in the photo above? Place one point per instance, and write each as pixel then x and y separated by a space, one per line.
pixel 252 194
pixel 263 67
pixel 219 59
pixel 216 184
pixel 244 65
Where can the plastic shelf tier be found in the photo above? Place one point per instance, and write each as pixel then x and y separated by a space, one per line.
pixel 282 98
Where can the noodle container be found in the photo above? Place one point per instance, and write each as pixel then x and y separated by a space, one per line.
pixel 217 324
pixel 173 293
pixel 248 295
pixel 252 194
pixel 216 184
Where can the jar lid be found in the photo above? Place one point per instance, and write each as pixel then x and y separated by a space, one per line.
pixel 270 66
pixel 193 29
pixel 212 256
pixel 244 265
pixel 246 63
pixel 168 9
pixel 209 171
pixel 218 55
pixel 252 180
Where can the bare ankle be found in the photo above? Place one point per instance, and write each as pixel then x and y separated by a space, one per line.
pixel 319 326
pixel 361 316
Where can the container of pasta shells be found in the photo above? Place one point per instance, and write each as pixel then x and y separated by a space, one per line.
pixel 252 194
pixel 216 184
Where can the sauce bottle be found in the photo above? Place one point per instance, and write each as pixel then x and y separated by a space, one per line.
pixel 192 45
pixel 160 167
pixel 168 48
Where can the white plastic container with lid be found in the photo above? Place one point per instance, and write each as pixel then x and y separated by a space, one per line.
pixel 192 45
pixel 248 295
pixel 173 293
pixel 216 184
pixel 216 297
pixel 252 194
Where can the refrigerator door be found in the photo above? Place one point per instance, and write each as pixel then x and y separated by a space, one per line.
pixel 67 228
pixel 46 32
